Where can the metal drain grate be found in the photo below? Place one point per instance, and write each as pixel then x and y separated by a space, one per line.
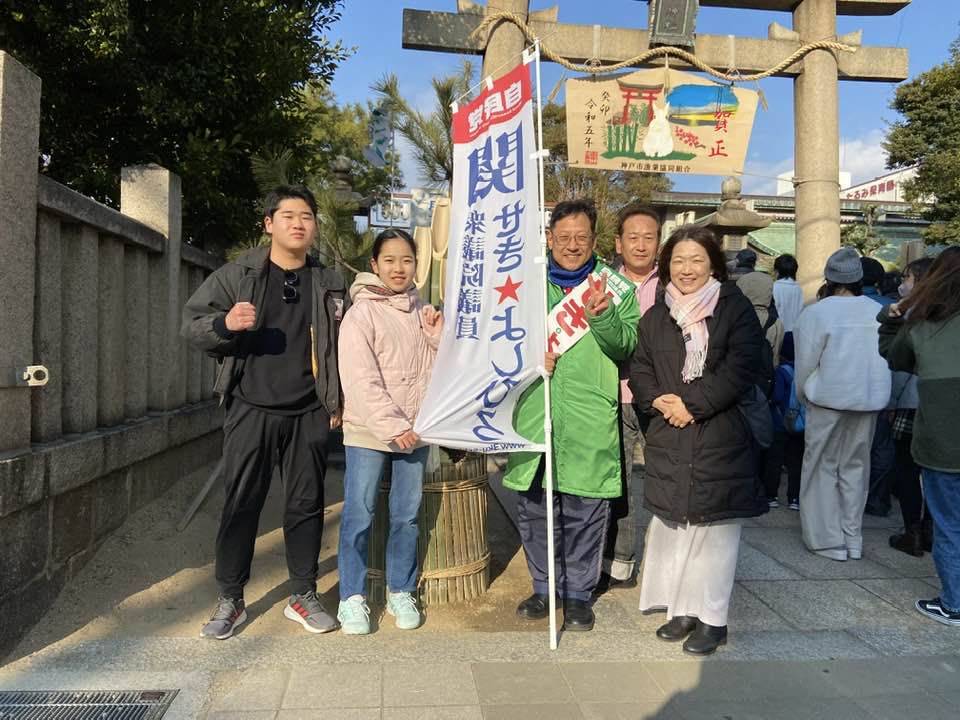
pixel 85 705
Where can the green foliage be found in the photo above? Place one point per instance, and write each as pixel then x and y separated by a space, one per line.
pixel 429 134
pixel 928 135
pixel 197 86
pixel 610 190
pixel 862 236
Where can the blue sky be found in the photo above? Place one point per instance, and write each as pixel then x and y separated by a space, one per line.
pixel 926 28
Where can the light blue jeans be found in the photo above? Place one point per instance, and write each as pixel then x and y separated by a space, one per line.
pixel 361 483
pixel 941 491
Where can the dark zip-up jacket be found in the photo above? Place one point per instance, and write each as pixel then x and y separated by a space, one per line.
pixel 244 280
pixel 706 471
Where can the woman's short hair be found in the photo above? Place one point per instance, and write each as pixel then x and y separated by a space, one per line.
pixel 705 238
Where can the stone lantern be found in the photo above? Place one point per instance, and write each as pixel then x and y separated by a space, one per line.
pixel 733 220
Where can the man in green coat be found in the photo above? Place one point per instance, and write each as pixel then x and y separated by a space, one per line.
pixel 584 410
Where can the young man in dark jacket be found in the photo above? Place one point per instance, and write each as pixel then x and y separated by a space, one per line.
pixel 270 318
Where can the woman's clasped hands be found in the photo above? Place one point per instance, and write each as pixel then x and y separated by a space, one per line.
pixel 673 410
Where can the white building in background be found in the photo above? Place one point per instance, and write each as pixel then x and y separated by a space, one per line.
pixel 785 182
pixel 887 187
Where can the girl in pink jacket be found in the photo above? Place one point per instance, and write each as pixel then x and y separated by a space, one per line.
pixel 388 341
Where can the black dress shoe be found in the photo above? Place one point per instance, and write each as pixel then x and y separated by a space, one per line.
pixel 577 615
pixel 677 629
pixel 909 542
pixel 534 607
pixel 705 639
pixel 611 583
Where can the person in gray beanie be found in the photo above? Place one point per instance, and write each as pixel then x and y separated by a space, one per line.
pixel 843 383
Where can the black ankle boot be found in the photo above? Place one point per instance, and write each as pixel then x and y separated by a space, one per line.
pixel 909 542
pixel 534 607
pixel 677 629
pixel 705 639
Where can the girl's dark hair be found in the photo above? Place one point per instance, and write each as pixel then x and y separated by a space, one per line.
pixel 705 238
pixel 392 234
pixel 937 296
pixel 831 288
pixel 918 269
pixel 786 267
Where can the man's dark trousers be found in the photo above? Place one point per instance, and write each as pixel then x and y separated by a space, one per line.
pixel 580 531
pixel 255 441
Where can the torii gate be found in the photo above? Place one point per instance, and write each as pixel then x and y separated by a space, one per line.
pixel 816 113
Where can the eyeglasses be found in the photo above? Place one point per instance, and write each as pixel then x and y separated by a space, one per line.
pixel 579 240
pixel 290 282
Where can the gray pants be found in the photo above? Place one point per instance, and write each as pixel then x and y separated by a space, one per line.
pixel 835 478
pixel 624 542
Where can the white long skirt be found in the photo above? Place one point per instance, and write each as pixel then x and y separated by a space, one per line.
pixel 689 569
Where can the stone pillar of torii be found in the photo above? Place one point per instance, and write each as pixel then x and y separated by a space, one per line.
pixel 816 107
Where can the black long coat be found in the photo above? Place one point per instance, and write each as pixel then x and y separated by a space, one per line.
pixel 706 471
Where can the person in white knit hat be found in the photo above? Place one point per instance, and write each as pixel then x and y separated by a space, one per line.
pixel 843 383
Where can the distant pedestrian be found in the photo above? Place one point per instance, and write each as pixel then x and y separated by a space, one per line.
pixel 787 296
pixel 697 356
pixel 388 343
pixel 921 335
pixel 844 384
pixel 271 318
pixel 744 262
pixel 917 534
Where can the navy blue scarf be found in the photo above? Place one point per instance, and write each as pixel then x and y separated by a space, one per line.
pixel 570 278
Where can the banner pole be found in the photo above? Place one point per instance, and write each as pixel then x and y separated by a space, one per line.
pixel 547 416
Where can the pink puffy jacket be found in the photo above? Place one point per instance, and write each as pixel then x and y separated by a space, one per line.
pixel 385 358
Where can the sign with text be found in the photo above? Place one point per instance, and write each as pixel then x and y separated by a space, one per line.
pixel 493 334
pixel 567 322
pixel 640 123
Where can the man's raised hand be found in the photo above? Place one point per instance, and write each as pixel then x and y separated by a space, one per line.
pixel 242 316
pixel 598 300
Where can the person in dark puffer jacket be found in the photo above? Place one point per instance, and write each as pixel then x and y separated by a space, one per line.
pixel 697 356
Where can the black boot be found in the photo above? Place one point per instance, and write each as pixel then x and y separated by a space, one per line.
pixel 577 615
pixel 677 629
pixel 534 607
pixel 926 530
pixel 705 639
pixel 909 542
pixel 609 583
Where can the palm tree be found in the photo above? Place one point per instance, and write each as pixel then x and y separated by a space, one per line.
pixel 429 133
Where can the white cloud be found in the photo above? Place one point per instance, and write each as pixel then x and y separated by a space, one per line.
pixel 863 157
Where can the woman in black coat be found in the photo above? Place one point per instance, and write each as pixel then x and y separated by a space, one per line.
pixel 697 355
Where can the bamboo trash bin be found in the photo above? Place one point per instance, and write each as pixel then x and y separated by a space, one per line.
pixel 452 550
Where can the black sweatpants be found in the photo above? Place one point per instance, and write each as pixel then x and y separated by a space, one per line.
pixel 787 449
pixel 254 443
pixel 907 483
pixel 580 532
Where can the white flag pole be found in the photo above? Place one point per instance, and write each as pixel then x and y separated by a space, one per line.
pixel 547 418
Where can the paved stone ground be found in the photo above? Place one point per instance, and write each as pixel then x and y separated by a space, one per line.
pixel 810 638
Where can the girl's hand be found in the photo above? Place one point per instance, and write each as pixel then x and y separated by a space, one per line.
pixel 432 320
pixel 407 440
pixel 598 300
pixel 336 420
pixel 894 310
pixel 550 362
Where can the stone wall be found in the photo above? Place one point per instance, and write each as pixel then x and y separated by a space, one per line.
pixel 94 295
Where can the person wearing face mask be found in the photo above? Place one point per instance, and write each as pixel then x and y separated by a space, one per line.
pixel 388 343
pixel 917 534
pixel 637 242
pixel 697 355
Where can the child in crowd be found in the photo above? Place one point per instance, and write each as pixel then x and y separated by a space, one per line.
pixel 388 342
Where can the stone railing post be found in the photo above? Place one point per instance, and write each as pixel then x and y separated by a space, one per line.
pixel 152 195
pixel 19 152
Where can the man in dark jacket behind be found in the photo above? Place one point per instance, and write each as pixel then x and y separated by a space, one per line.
pixel 270 318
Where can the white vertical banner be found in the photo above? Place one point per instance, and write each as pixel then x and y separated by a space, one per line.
pixel 494 332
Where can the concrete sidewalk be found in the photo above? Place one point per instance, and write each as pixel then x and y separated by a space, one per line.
pixel 809 637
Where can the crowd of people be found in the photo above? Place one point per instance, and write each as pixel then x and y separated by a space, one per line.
pixel 720 374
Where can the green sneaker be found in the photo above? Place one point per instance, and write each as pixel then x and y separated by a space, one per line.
pixel 354 616
pixel 404 608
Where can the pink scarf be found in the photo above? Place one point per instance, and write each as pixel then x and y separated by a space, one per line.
pixel 690 312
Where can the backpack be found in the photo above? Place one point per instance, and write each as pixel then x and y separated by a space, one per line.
pixel 794 415
pixel 765 373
